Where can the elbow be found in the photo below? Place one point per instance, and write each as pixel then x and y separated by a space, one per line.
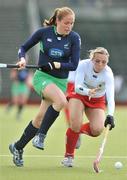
pixel 74 67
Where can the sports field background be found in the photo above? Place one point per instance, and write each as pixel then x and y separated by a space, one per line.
pixel 46 164
pixel 99 23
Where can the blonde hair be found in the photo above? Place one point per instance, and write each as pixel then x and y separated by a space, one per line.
pixel 58 13
pixel 100 50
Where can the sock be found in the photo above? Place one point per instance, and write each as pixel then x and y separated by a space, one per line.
pixel 71 141
pixel 85 129
pixel 20 108
pixel 48 120
pixel 27 135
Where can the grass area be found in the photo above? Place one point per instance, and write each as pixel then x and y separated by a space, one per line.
pixel 46 164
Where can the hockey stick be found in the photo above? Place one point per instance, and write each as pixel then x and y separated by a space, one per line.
pixel 2 65
pixel 101 150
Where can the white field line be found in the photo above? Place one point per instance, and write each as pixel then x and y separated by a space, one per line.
pixel 59 156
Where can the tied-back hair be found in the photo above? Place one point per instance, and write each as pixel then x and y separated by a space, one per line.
pixel 58 13
pixel 100 50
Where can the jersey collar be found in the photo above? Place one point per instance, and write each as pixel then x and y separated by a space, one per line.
pixel 57 34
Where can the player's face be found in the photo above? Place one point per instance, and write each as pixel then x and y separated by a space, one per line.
pixel 65 25
pixel 99 61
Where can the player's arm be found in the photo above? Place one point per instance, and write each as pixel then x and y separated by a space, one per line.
pixel 31 41
pixel 110 100
pixel 80 88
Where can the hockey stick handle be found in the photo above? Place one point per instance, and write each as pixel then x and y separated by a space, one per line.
pixel 103 143
pixel 101 150
pixel 2 65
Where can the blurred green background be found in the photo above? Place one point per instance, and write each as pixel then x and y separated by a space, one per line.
pixel 99 23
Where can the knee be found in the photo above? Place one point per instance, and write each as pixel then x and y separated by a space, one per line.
pixel 63 103
pixel 96 132
pixel 75 127
pixel 60 104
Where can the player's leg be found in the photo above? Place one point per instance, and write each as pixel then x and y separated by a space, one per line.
pixel 29 132
pixel 23 95
pixel 72 133
pixel 95 125
pixel 70 88
pixel 22 100
pixel 52 89
pixel 58 102
pixel 67 117
pixel 9 105
pixel 14 95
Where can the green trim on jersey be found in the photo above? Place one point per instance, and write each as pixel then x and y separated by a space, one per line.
pixel 41 46
pixel 41 43
pixel 54 27
pixel 41 80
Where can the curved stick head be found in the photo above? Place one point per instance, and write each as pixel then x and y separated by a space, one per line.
pixel 95 166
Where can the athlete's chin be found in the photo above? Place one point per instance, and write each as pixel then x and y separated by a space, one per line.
pixel 67 32
pixel 99 70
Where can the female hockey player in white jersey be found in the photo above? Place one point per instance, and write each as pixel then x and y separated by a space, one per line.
pixel 94 86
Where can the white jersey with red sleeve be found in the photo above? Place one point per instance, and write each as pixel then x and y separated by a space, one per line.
pixel 86 78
